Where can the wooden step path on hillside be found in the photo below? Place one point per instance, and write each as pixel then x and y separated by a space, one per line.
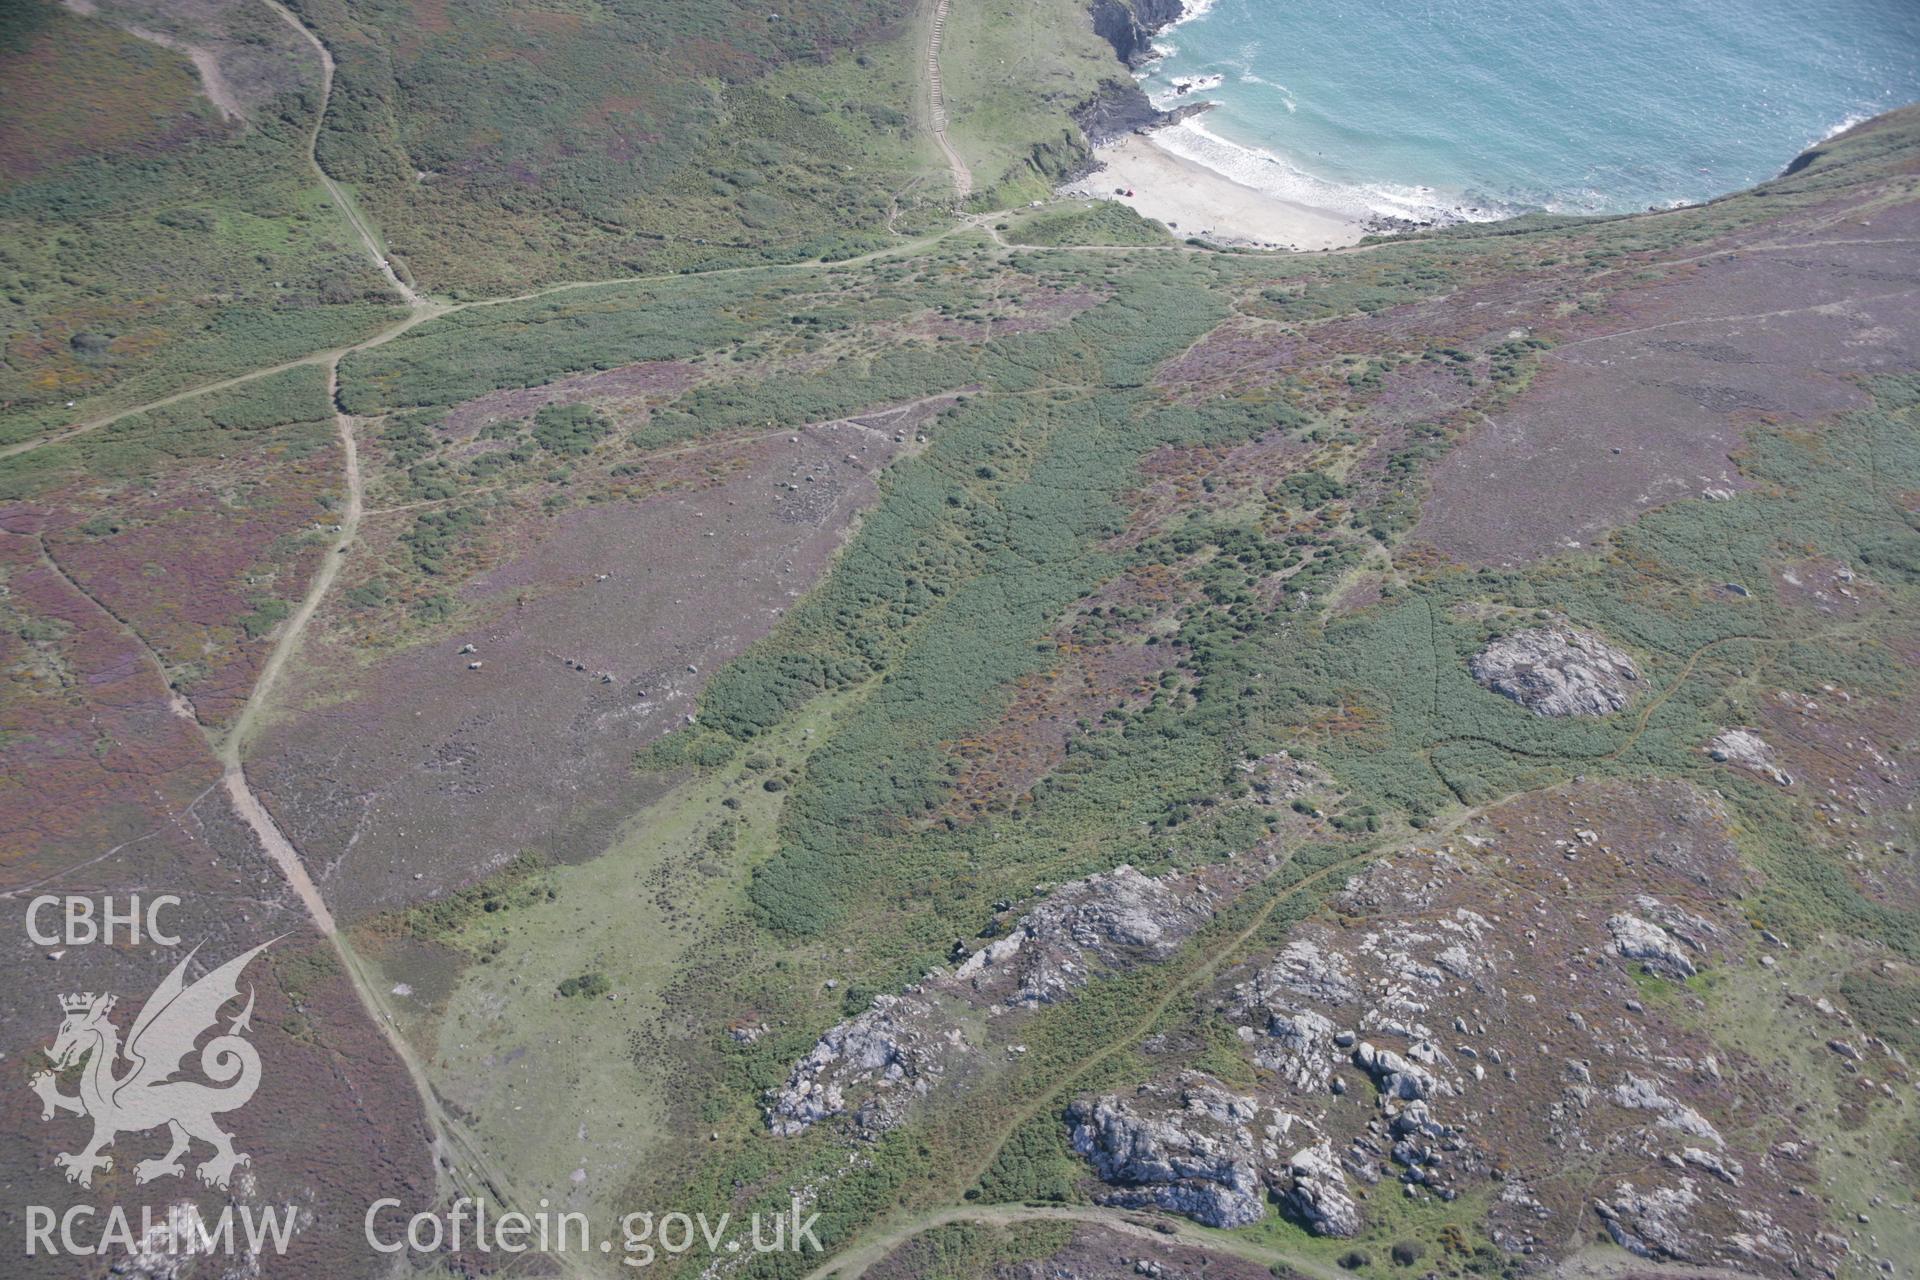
pixel 937 103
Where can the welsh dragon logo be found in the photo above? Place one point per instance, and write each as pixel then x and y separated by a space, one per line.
pixel 147 1094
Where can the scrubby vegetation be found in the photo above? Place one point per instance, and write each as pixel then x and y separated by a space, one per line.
pixel 920 618
pixel 622 140
pixel 149 243
pixel 588 986
pixel 520 883
pixel 289 409
pixel 1101 222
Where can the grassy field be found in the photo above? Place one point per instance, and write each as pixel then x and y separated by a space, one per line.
pixel 589 1081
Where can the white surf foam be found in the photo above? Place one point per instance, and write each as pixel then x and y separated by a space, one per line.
pixel 1160 48
pixel 1849 123
pixel 1181 91
pixel 1277 176
pixel 1190 10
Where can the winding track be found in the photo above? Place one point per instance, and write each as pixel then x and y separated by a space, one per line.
pixel 459 1155
pixel 456 1154
pixel 334 189
pixel 1162 1230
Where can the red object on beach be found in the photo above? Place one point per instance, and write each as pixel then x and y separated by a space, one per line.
pixel 1129 193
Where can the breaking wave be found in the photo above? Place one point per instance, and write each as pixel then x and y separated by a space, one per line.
pixel 1265 171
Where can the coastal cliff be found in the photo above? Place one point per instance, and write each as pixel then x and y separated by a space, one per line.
pixel 1130 25
pixel 1120 108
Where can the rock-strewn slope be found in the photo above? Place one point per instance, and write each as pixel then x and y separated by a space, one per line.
pixel 1194 1148
pixel 875 1064
pixel 1472 1020
pixel 1104 922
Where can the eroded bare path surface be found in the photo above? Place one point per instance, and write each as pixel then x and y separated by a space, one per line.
pixel 1133 1226
pixel 340 198
pixel 937 105
pixel 233 775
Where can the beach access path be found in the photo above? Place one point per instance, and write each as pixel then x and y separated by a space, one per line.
pixel 937 104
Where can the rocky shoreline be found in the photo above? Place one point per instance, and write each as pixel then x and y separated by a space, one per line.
pixel 1121 106
pixel 1130 25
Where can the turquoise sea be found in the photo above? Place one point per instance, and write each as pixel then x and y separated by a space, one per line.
pixel 1483 108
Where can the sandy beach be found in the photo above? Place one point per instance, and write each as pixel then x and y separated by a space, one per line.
pixel 1193 200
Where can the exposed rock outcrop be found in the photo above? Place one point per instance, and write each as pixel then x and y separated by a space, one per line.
pixel 1641 1094
pixel 1650 1223
pixel 1479 996
pixel 1654 947
pixel 892 1049
pixel 1192 1150
pixel 1304 970
pixel 1747 749
pixel 1130 25
pixel 1319 1192
pixel 1728 1171
pixel 1300 1046
pixel 1117 108
pixel 1668 940
pixel 1557 671
pixel 873 1066
pixel 1397 1078
pixel 1105 921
